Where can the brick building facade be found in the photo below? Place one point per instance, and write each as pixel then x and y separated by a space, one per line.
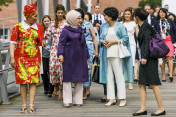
pixel 11 10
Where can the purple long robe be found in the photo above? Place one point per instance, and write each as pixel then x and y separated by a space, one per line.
pixel 72 46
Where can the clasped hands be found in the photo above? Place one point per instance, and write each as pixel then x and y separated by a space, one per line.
pixel 108 43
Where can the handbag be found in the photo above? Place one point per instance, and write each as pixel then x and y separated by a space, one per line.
pixel 158 48
pixel 123 51
pixel 95 70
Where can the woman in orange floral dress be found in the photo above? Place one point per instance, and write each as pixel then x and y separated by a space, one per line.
pixel 25 54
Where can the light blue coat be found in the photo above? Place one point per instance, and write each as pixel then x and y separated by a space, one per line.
pixel 121 33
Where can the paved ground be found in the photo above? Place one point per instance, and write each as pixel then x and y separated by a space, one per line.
pixel 48 107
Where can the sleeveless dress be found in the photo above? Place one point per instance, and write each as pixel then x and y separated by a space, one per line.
pixel 27 53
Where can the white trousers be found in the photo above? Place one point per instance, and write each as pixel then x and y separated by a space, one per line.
pixel 114 67
pixel 77 95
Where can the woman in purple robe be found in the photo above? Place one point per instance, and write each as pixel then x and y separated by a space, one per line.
pixel 73 53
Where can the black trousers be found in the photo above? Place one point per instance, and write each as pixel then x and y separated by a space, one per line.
pixel 45 76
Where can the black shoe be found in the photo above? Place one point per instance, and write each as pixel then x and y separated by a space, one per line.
pixel 142 113
pixel 171 79
pixel 46 92
pixel 163 80
pixel 103 100
pixel 49 95
pixel 162 113
pixel 88 95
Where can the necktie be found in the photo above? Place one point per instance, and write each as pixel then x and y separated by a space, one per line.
pixel 97 16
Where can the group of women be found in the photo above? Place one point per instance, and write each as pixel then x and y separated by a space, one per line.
pixel 69 45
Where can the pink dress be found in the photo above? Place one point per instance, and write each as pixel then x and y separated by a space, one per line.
pixel 55 67
pixel 168 42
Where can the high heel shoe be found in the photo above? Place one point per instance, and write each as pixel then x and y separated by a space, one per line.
pixel 136 81
pixel 162 113
pixel 142 113
pixel 111 102
pixel 122 103
pixel 23 109
pixel 31 111
pixel 171 79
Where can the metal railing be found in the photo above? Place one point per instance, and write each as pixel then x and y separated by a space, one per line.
pixel 4 76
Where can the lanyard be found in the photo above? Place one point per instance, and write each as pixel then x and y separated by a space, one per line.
pixel 161 26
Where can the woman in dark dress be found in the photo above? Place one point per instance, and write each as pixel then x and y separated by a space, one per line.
pixel 148 70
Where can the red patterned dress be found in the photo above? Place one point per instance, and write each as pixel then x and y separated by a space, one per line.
pixel 55 67
pixel 27 53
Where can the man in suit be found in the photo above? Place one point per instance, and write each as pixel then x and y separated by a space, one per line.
pixel 151 18
pixel 97 18
pixel 166 6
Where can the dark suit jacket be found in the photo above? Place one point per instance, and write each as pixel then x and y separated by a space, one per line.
pixel 153 19
pixel 172 28
pixel 145 33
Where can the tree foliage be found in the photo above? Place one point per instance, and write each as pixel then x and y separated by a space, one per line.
pixel 5 3
pixel 153 3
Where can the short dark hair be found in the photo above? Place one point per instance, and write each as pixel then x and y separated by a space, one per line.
pixel 147 5
pixel 166 5
pixel 89 14
pixel 111 12
pixel 81 12
pixel 163 10
pixel 141 13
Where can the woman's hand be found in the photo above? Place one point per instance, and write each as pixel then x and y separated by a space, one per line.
pixel 104 43
pixel 61 58
pixel 109 43
pixel 12 62
pixel 143 61
pixel 96 54
pixel 44 44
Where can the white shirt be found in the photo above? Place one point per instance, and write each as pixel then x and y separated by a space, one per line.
pixel 100 17
pixel 149 19
pixel 112 51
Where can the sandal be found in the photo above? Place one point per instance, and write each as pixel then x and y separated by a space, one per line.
pixel 60 97
pixel 31 111
pixel 23 109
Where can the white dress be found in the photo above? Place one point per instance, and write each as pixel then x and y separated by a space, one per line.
pixel 131 29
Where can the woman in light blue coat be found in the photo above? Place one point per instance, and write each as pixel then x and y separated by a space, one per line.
pixel 114 33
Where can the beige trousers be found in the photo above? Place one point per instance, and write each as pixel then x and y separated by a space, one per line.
pixel 77 95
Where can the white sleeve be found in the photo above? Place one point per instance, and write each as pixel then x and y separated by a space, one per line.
pixel 92 18
pixel 102 19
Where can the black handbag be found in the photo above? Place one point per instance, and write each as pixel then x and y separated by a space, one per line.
pixel 95 70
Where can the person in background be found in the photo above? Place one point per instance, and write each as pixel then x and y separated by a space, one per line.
pixel 111 65
pixel 97 18
pixel 157 8
pixel 173 18
pixel 25 55
pixel 92 45
pixel 150 19
pixel 148 71
pixel 131 26
pixel 73 53
pixel 166 6
pixel 48 87
pixel 119 19
pixel 167 30
pixel 55 67
pixel 88 18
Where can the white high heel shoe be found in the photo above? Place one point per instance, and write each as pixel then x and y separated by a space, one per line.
pixel 111 102
pixel 122 103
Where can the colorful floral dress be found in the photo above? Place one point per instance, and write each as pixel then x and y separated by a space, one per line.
pixel 27 53
pixel 55 67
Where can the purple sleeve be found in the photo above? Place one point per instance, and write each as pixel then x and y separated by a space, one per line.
pixel 62 42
